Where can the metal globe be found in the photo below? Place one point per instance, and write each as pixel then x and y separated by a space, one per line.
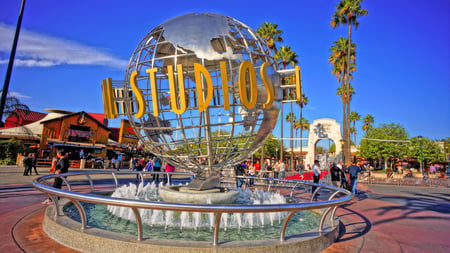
pixel 216 137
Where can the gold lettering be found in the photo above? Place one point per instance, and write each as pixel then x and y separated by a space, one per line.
pixel 268 84
pixel 245 67
pixel 152 74
pixel 109 105
pixel 173 91
pixel 223 74
pixel 203 101
pixel 298 82
pixel 137 94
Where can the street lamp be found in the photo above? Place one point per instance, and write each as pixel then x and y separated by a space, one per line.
pixel 342 141
pixel 421 153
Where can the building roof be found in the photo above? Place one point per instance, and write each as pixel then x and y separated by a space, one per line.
pixel 78 113
pixel 30 117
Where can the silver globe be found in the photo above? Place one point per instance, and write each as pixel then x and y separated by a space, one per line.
pixel 210 140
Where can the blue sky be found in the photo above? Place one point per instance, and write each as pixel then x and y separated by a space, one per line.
pixel 67 47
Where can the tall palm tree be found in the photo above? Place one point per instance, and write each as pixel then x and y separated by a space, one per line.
pixel 354 116
pixel 303 102
pixel 290 117
pixel 303 124
pixel 13 106
pixel 285 56
pixel 368 122
pixel 338 58
pixel 270 33
pixel 347 12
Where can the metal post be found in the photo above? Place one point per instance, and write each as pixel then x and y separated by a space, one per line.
pixel 10 64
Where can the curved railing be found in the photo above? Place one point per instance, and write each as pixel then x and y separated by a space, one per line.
pixel 330 204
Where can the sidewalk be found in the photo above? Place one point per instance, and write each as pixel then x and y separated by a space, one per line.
pixel 379 219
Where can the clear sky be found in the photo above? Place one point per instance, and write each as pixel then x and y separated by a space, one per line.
pixel 67 47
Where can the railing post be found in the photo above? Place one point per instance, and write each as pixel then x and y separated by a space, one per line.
pixel 138 222
pixel 285 223
pixel 82 213
pixel 216 229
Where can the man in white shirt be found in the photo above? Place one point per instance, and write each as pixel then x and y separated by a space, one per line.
pixel 281 168
pixel 316 175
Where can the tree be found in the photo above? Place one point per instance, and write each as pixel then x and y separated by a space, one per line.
pixel 13 106
pixel 388 148
pixel 431 151
pixel 354 116
pixel 368 122
pixel 270 147
pixel 303 124
pixel 347 13
pixel 340 57
pixel 270 33
pixel 285 56
pixel 290 117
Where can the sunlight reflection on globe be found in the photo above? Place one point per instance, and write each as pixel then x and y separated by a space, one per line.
pixel 215 138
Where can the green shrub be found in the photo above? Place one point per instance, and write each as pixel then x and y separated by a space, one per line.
pixel 7 161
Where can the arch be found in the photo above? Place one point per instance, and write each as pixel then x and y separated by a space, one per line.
pixel 323 129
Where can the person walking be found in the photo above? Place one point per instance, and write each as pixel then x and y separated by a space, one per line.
pixel 281 169
pixel 62 166
pixel 354 171
pixel 239 171
pixel 34 163
pixel 27 164
pixel 316 175
pixel 169 168
pixel 335 175
pixel 156 168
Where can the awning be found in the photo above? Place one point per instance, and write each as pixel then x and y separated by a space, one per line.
pixel 58 143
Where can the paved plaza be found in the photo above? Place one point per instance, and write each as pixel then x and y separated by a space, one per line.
pixel 381 218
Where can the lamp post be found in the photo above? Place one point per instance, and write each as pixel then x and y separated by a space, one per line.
pixel 421 154
pixel 276 158
pixel 342 147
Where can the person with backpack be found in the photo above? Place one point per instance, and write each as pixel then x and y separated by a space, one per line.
pixel 335 175
pixel 27 164
pixel 239 170
pixel 156 168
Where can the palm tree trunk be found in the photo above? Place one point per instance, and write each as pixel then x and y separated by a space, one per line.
pixel 282 119
pixel 292 141
pixel 301 132
pixel 347 91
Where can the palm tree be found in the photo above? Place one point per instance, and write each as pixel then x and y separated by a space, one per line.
pixel 285 56
pixel 303 124
pixel 354 116
pixel 368 122
pixel 347 12
pixel 13 106
pixel 270 33
pixel 290 117
pixel 338 58
pixel 303 102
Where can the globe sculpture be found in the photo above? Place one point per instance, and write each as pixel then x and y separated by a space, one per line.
pixel 204 93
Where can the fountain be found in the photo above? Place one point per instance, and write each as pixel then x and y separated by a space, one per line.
pixel 202 93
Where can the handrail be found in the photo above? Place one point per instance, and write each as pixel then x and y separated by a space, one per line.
pixel 134 204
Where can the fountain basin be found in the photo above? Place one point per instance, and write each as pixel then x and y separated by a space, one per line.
pixel 183 194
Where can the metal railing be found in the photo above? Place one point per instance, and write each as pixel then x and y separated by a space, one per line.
pixel 330 204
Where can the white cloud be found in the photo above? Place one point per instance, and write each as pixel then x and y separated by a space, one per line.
pixel 16 95
pixel 38 50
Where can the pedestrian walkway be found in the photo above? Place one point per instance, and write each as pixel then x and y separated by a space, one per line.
pixel 379 219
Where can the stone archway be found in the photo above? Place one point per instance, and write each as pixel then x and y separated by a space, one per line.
pixel 323 129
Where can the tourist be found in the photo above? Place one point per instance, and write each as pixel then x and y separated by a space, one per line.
pixel 62 166
pixel 27 163
pixel 149 165
pixel 113 162
pixel 281 169
pixel 354 170
pixel 335 175
pixel 156 168
pixel 316 175
pixel 169 168
pixel 239 171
